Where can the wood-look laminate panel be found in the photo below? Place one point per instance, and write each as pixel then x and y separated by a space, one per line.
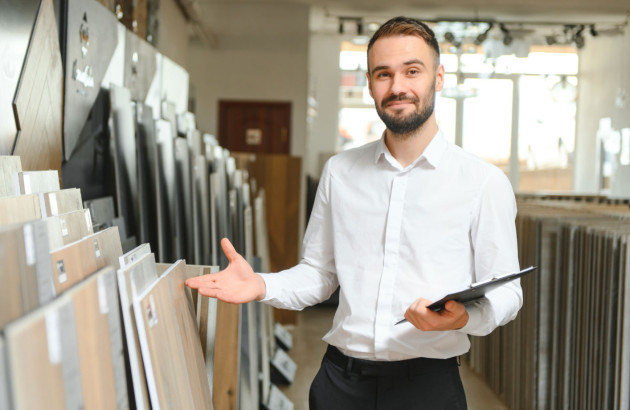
pixel 185 310
pixel 110 246
pixel 142 272
pixel 16 26
pixel 42 352
pixel 39 96
pixel 61 202
pixel 99 341
pixel 69 227
pixel 17 209
pixel 12 253
pixel 162 350
pixel 225 389
pixel 35 182
pixel 80 259
pixel 9 166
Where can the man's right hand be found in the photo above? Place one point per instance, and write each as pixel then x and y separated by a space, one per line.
pixel 235 284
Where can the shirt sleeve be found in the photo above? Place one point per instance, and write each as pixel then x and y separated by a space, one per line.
pixel 493 238
pixel 314 279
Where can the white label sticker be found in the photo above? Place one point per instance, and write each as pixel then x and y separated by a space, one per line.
pixel 64 227
pixel 29 244
pixel 53 336
pixel 102 295
pixel 151 313
pixel 27 183
pixel 61 271
pixel 53 204
pixel 97 250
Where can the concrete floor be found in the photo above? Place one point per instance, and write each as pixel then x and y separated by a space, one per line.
pixel 308 350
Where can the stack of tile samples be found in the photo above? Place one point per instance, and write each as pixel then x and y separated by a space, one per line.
pixel 569 346
pixel 59 319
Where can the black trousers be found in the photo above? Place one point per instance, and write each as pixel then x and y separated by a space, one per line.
pixel 344 383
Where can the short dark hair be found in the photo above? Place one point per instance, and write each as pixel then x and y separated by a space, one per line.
pixel 406 26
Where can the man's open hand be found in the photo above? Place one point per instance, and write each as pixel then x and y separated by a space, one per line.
pixel 235 284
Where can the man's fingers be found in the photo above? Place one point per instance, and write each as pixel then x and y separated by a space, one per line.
pixel 228 249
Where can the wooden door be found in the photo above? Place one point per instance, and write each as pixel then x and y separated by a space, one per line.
pixel 254 126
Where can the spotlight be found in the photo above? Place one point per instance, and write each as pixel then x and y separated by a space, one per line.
pixel 593 31
pixel 359 27
pixel 483 36
pixel 507 38
pixel 551 40
pixel 578 38
pixel 448 36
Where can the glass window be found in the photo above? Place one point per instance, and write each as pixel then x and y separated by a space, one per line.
pixel 488 120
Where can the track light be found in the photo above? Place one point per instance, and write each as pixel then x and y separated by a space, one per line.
pixel 448 36
pixel 578 38
pixel 507 37
pixel 550 40
pixel 593 31
pixel 483 36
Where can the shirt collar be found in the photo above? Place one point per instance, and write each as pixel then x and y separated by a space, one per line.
pixel 432 153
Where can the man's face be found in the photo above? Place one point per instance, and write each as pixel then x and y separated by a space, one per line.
pixel 403 80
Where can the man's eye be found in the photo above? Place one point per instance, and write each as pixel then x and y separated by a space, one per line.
pixel 413 71
pixel 382 75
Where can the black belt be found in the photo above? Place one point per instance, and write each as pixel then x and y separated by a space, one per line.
pixel 387 368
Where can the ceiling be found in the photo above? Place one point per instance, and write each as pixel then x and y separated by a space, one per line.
pixel 508 10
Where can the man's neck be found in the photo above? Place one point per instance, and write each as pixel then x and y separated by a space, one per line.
pixel 407 148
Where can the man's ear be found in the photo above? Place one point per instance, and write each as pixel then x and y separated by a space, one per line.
pixel 439 78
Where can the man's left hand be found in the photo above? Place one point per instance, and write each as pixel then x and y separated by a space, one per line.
pixel 453 316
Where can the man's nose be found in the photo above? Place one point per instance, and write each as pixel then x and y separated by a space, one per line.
pixel 399 85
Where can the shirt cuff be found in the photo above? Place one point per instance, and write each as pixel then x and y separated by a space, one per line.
pixel 475 319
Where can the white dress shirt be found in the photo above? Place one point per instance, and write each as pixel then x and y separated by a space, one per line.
pixel 389 235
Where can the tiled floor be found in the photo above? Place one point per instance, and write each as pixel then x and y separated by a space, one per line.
pixel 308 350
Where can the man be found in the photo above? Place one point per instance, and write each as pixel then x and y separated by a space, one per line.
pixel 396 223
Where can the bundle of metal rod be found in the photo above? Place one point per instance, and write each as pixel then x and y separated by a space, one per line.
pixel 569 347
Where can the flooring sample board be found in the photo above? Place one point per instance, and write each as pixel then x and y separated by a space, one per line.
pixel 35 182
pixel 134 255
pixel 60 202
pixel 140 66
pixel 5 399
pixel 91 38
pixel 102 211
pixel 26 273
pixel 17 209
pixel 80 259
pixel 16 26
pixel 202 246
pixel 166 186
pixel 141 272
pixel 42 351
pixel 184 200
pixel 162 348
pixel 225 389
pixel 99 336
pixel 69 227
pixel 185 310
pixel 38 101
pixel 249 395
pixel 283 368
pixel 9 166
pixel 277 400
pixel 124 153
pixel 109 245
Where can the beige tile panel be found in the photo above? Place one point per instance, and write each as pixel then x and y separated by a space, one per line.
pixel 17 209
pixel 9 166
pixel 60 202
pixel 68 227
pixel 35 182
pixel 162 350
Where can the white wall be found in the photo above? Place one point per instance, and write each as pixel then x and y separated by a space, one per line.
pixel 261 54
pixel 604 68
pixel 172 38
pixel 324 82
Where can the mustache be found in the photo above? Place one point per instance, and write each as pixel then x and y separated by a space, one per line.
pixel 391 98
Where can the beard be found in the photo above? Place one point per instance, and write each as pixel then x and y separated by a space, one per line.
pixel 407 124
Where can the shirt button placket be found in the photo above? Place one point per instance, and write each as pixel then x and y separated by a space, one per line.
pixel 384 320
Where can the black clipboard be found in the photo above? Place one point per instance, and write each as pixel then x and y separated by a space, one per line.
pixel 476 290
